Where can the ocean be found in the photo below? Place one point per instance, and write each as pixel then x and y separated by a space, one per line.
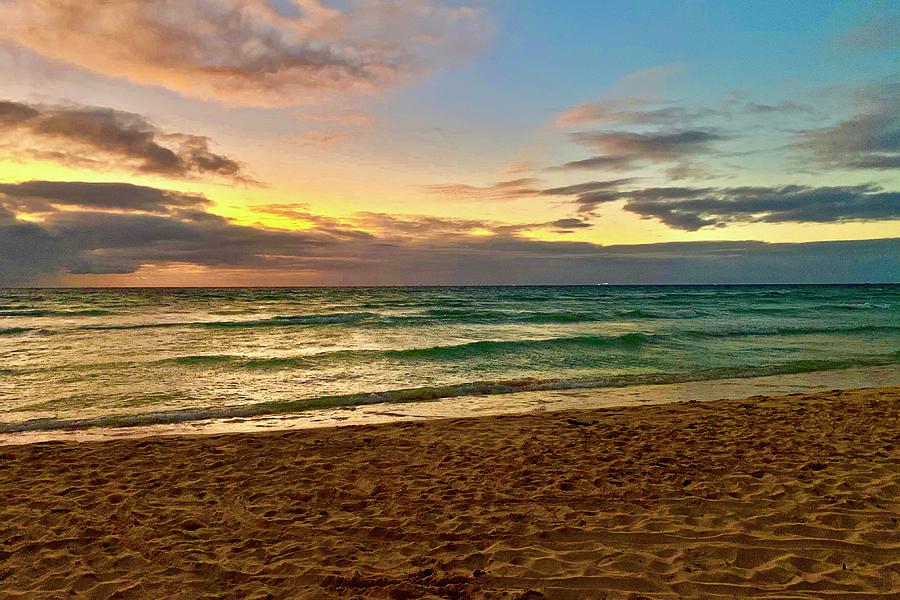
pixel 83 357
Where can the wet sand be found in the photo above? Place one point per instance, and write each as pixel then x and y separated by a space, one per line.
pixel 790 497
pixel 481 406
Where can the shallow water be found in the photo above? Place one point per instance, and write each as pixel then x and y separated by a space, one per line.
pixel 107 356
pixel 481 406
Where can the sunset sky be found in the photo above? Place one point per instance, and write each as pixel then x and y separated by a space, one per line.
pixel 304 142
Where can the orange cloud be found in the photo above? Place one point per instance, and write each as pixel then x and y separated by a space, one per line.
pixel 343 118
pixel 502 190
pixel 245 52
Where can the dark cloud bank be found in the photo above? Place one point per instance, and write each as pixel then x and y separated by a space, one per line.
pixel 118 228
pixel 659 146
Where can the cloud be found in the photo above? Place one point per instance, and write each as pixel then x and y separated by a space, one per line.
pixel 13 114
pixel 415 226
pixel 592 193
pixel 625 150
pixel 247 52
pixel 103 244
pixel 571 223
pixel 637 111
pixel 599 163
pixel 869 141
pixel 691 208
pixel 631 111
pixel 123 139
pixel 659 146
pixel 589 195
pixel 518 167
pixel 502 190
pixel 420 226
pixel 614 110
pixel 786 106
pixel 640 130
pixel 689 170
pixel 879 34
pixel 33 197
pixel 567 225
pixel 118 228
pixel 678 135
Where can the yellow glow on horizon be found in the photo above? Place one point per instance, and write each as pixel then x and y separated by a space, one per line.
pixel 612 226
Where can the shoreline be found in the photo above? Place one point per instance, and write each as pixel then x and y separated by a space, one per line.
pixel 463 406
pixel 793 496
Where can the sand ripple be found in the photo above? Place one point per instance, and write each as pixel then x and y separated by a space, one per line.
pixel 793 497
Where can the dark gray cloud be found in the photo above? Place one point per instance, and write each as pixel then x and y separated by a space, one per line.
pixel 599 163
pixel 640 131
pixel 571 223
pixel 27 251
pixel 46 196
pixel 125 139
pixel 590 194
pixel 587 187
pixel 658 147
pixel 870 141
pixel 682 134
pixel 693 208
pixel 96 242
pixel 567 225
pixel 14 113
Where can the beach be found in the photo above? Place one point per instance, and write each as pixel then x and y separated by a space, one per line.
pixel 449 299
pixel 779 497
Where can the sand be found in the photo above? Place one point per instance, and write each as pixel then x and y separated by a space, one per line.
pixel 792 497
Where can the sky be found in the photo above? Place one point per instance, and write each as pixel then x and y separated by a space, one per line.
pixel 448 142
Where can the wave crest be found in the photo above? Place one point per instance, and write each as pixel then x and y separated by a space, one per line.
pixel 425 394
pixel 277 321
pixel 14 330
pixel 36 312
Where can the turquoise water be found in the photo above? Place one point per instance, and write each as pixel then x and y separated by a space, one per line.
pixel 99 356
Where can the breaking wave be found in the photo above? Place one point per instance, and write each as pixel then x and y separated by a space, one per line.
pixel 431 393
